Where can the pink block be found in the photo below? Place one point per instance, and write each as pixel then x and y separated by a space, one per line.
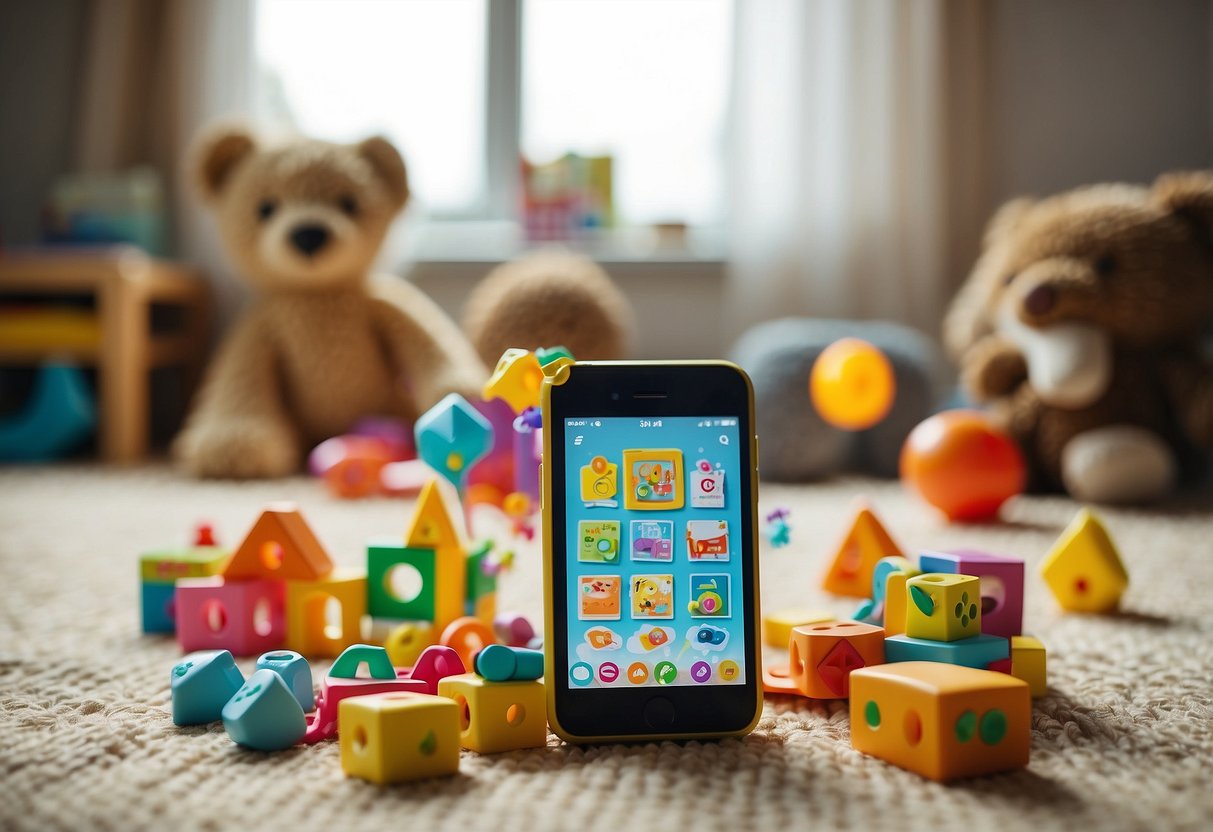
pixel 1001 666
pixel 1001 585
pixel 323 723
pixel 245 617
pixel 435 662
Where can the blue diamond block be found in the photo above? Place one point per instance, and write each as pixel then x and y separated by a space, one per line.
pixel 977 651
pixel 295 671
pixel 201 684
pixel 157 605
pixel 264 715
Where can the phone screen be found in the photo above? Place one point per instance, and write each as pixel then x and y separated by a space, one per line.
pixel 653 549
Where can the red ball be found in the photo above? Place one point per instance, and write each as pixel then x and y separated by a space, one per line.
pixel 963 464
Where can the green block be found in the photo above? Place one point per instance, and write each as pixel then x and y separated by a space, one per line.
pixel 479 582
pixel 166 566
pixel 382 600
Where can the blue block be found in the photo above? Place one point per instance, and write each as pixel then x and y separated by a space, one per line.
pixel 157 605
pixel 264 715
pixel 977 651
pixel 295 671
pixel 499 663
pixel 201 684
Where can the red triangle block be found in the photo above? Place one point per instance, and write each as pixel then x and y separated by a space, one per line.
pixel 835 669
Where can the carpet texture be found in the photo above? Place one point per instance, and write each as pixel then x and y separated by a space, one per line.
pixel 1124 740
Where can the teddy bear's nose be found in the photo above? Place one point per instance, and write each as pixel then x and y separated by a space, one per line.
pixel 1040 300
pixel 310 238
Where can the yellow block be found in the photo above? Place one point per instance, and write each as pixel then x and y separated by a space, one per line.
pixel 1028 662
pixel 497 716
pixel 515 380
pixel 777 626
pixel 406 641
pixel 323 617
pixel 942 721
pixel 1083 569
pixel 393 737
pixel 943 606
pixel 895 603
pixel 865 543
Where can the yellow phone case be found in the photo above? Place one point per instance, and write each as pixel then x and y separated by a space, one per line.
pixel 556 374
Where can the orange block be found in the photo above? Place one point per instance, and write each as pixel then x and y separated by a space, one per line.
pixel 280 546
pixel 822 656
pixel 942 721
pixel 865 543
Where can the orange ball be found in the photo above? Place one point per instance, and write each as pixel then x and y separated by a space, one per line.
pixel 852 385
pixel 960 462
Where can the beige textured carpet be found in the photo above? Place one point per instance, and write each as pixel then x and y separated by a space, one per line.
pixel 1124 739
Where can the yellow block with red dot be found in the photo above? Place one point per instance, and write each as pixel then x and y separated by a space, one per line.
pixel 1083 569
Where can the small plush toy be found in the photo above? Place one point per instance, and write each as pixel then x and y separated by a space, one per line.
pixel 1080 325
pixel 324 344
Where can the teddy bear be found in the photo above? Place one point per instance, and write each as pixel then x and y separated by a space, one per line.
pixel 1080 326
pixel 324 344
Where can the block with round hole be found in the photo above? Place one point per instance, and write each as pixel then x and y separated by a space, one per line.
pixel 400 581
pixel 245 617
pixel 1002 584
pixel 201 684
pixel 943 607
pixel 295 671
pixel 497 716
pixel 941 721
pixel 467 636
pixel 264 715
pixel 821 657
pixel 976 651
pixel 396 737
pixel 323 617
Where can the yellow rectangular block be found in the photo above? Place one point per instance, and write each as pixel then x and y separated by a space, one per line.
pixel 777 626
pixel 895 603
pixel 324 616
pixel 393 737
pixel 1028 662
pixel 198 562
pixel 942 721
pixel 497 716
pixel 943 606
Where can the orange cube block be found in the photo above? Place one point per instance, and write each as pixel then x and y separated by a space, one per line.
pixel 822 656
pixel 942 721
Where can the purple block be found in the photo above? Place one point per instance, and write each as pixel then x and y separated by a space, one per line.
pixel 1001 585
pixel 528 449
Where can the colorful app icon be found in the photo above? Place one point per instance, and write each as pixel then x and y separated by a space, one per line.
pixel 600 483
pixel 701 672
pixel 707 486
pixel 608 672
pixel 708 539
pixel 665 673
pixel 599 597
pixel 654 479
pixel 652 596
pixel 728 671
pixel 599 541
pixel 638 673
pixel 603 638
pixel 650 637
pixel 581 674
pixel 707 639
pixel 652 540
pixel 709 596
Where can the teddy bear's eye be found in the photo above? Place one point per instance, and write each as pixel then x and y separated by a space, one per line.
pixel 1105 265
pixel 349 205
pixel 266 209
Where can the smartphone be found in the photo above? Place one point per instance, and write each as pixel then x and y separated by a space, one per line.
pixel 651 571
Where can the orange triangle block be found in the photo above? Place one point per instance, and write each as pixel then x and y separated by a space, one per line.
pixel 280 546
pixel 865 543
pixel 431 526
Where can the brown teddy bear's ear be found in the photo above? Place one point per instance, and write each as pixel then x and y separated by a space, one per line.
pixel 1006 219
pixel 216 156
pixel 1190 197
pixel 386 161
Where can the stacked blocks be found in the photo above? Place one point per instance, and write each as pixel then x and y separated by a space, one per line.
pixel 280 546
pixel 943 607
pixel 1083 569
pixel 310 628
pixel 822 656
pixel 865 543
pixel 939 720
pixel 245 617
pixel 1002 584
pixel 383 600
pixel 497 716
pixel 201 685
pixel 158 575
pixel 396 737
pixel 978 651
pixel 264 715
pixel 295 671
pixel 433 529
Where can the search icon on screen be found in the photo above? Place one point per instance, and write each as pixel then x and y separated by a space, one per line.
pixel 724 440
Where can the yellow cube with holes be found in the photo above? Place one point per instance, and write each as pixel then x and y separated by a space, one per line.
pixel 497 716
pixel 393 737
pixel 1028 663
pixel 943 607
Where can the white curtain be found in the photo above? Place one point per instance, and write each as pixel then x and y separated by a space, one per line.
pixel 840 187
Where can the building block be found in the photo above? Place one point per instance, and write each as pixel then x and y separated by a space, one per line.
pixel 378 665
pixel 295 671
pixel 497 716
pixel 886 567
pixel 513 629
pixel 1083 569
pixel 264 715
pixel 201 685
pixel 1002 585
pixel 452 436
pixel 400 581
pixel 481 585
pixel 310 629
pixel 281 546
pixel 515 380
pixel 822 656
pixel 893 612
pixel 499 663
pixel 435 664
pixel 777 626
pixel 158 605
pixel 215 613
pixel 943 607
pixel 432 527
pixel 941 721
pixel 396 737
pixel 777 678
pixel 865 543
pixel 196 562
pixel 467 636
pixel 977 651
pixel 1028 662
pixel 322 724
pixel 407 640
pixel 1001 666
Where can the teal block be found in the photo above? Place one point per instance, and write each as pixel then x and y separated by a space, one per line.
pixel 376 658
pixel 452 437
pixel 156 603
pixel 201 684
pixel 977 651
pixel 295 671
pixel 264 715
pixel 499 663
pixel 382 556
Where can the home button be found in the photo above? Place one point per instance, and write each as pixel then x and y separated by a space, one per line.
pixel 659 712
